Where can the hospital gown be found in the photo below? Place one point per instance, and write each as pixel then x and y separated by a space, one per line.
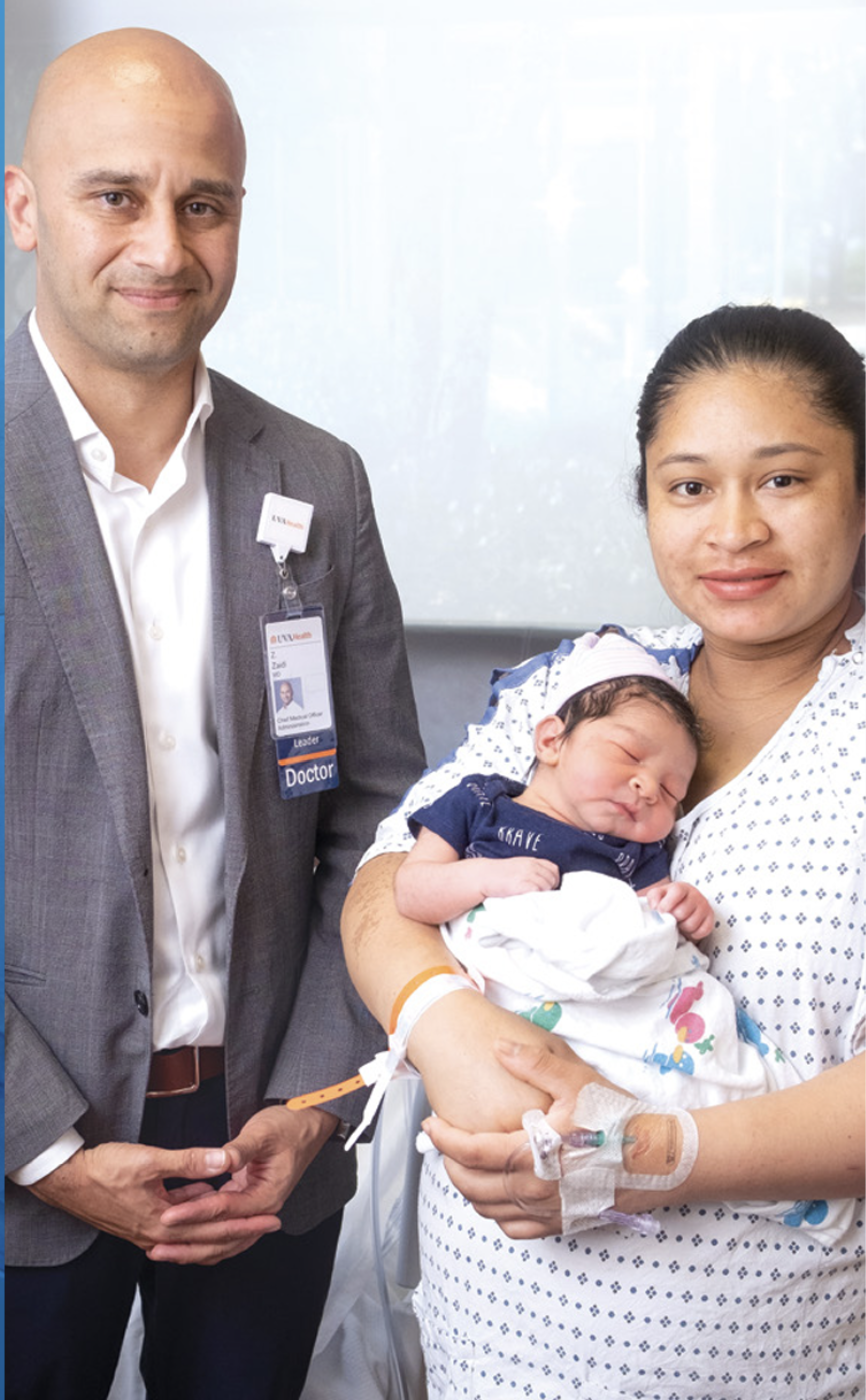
pixel 724 1303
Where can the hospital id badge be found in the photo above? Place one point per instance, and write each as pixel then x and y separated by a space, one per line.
pixel 300 703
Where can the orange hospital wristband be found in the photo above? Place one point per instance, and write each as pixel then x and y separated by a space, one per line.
pixel 412 985
pixel 380 1071
pixel 320 1096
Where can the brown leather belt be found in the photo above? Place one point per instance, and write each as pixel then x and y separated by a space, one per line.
pixel 181 1071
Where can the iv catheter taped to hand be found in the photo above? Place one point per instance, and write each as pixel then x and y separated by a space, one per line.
pixel 417 996
pixel 588 1163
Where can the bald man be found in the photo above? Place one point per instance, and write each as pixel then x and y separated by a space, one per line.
pixel 173 966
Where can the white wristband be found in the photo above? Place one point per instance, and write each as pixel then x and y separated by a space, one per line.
pixel 392 1063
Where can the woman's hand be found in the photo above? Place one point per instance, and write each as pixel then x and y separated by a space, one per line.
pixel 798 1143
pixel 468 1083
pixel 494 1171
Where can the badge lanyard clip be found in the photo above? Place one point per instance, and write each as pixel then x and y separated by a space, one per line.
pixel 290 597
pixel 284 524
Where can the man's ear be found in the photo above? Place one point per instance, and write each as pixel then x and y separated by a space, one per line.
pixel 548 739
pixel 21 208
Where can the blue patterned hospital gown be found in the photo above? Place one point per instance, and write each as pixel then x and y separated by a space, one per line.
pixel 722 1305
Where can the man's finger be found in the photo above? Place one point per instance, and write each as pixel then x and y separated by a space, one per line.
pixel 214 1205
pixel 178 1194
pixel 215 1244
pixel 191 1162
pixel 209 1221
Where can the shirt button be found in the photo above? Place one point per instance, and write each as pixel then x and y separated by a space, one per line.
pixel 166 740
pixel 141 1003
pixel 199 963
pixel 180 854
pixel 98 454
pixel 156 632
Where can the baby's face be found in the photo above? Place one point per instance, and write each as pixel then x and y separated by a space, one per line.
pixel 624 775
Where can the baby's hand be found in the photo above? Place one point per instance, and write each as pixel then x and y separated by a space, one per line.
pixel 520 875
pixel 691 909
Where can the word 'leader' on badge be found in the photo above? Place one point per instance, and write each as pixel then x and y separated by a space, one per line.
pixel 284 524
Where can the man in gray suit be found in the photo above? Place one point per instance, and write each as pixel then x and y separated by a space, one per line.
pixel 173 957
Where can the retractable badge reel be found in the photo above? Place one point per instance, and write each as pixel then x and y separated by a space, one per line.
pixel 297 672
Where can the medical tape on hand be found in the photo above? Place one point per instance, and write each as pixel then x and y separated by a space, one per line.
pixel 409 1007
pixel 588 1176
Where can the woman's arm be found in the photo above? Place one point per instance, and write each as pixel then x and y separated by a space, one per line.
pixel 434 884
pixel 799 1143
pixel 452 1044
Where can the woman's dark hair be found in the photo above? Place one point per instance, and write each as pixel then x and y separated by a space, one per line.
pixel 795 342
pixel 600 700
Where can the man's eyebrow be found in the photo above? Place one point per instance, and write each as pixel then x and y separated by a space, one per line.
pixel 223 189
pixel 104 176
pixel 125 179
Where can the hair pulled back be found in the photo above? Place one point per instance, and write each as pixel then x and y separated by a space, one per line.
pixel 796 343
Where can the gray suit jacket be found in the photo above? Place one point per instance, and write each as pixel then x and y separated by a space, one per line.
pixel 79 899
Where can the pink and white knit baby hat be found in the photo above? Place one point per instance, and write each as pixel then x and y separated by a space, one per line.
pixel 601 658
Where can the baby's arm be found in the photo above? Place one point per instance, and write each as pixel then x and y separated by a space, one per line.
pixel 434 884
pixel 691 909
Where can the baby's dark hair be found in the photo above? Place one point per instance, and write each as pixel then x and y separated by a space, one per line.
pixel 600 700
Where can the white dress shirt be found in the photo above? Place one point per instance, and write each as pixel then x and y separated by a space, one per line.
pixel 157 544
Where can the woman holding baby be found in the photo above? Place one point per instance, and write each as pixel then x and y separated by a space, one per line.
pixel 751 436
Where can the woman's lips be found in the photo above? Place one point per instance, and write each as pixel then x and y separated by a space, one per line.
pixel 745 584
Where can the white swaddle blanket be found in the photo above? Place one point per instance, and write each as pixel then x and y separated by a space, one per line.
pixel 592 962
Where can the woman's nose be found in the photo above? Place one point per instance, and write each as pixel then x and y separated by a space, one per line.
pixel 736 522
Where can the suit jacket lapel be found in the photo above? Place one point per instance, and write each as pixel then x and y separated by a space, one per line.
pixel 245 586
pixel 53 521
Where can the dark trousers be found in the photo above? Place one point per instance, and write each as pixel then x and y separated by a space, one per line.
pixel 243 1329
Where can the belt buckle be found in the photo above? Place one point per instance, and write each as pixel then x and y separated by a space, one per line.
pixel 187 1088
